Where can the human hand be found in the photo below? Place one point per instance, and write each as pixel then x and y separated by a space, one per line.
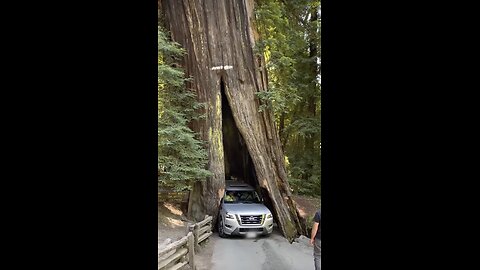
pixel 312 240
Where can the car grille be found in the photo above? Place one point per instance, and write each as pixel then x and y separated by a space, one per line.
pixel 250 230
pixel 250 220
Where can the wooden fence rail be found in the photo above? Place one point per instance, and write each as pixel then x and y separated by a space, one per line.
pixel 181 252
pixel 177 254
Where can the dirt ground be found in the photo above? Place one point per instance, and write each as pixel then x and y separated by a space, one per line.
pixel 171 222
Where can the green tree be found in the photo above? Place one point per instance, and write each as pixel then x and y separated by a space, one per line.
pixel 181 156
pixel 290 42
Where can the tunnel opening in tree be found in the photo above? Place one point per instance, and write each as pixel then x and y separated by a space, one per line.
pixel 237 160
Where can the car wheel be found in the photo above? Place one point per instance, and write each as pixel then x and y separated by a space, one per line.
pixel 221 233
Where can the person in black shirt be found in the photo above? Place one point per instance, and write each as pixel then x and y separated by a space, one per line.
pixel 315 240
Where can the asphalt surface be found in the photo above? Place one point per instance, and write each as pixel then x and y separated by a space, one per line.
pixel 262 253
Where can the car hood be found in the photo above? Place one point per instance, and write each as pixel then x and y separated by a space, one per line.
pixel 246 208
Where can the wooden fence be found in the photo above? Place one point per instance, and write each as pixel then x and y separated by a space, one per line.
pixel 201 230
pixel 181 252
pixel 177 254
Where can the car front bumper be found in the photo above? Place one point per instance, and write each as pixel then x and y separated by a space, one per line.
pixel 233 227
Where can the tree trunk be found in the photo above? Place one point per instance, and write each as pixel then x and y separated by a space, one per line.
pixel 311 99
pixel 219 37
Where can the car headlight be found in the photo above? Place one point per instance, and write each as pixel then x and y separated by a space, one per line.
pixel 229 216
pixel 269 216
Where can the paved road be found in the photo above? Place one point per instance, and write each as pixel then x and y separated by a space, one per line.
pixel 264 253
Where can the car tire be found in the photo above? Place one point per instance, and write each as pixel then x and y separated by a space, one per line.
pixel 221 233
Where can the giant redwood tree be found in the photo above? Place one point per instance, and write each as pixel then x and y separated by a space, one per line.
pixel 219 37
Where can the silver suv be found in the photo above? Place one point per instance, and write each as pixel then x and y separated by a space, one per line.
pixel 242 212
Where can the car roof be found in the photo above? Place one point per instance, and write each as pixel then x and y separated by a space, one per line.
pixel 237 186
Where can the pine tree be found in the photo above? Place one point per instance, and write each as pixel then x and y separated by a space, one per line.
pixel 181 156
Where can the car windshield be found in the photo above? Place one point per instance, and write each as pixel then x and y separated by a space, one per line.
pixel 241 197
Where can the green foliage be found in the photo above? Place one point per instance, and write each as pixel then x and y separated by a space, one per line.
pixel 181 156
pixel 290 44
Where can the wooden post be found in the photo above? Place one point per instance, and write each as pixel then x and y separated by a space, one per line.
pixel 195 234
pixel 210 224
pixel 191 250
